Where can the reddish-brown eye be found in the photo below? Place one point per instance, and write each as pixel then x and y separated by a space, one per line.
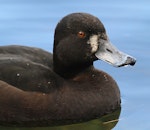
pixel 81 34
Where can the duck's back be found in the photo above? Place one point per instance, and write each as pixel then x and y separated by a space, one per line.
pixel 9 54
pixel 20 64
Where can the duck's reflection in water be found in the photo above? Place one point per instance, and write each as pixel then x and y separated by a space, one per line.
pixel 107 122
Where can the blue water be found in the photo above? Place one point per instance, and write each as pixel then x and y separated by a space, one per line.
pixel 32 23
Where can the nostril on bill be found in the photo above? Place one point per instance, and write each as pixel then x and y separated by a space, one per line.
pixel 109 50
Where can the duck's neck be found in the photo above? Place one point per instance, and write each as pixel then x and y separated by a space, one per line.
pixel 71 70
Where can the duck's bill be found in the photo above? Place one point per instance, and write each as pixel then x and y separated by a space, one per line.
pixel 108 53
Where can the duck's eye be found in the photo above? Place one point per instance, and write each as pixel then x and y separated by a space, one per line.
pixel 81 34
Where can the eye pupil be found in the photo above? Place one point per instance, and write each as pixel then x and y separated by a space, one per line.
pixel 81 34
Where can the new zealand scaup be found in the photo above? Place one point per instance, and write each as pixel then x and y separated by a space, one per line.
pixel 41 89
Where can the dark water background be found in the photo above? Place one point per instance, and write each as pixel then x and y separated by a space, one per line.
pixel 32 23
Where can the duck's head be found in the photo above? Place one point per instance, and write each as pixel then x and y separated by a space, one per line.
pixel 80 39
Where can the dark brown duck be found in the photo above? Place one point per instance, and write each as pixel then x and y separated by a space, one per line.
pixel 38 88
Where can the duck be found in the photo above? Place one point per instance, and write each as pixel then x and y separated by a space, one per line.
pixel 38 88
